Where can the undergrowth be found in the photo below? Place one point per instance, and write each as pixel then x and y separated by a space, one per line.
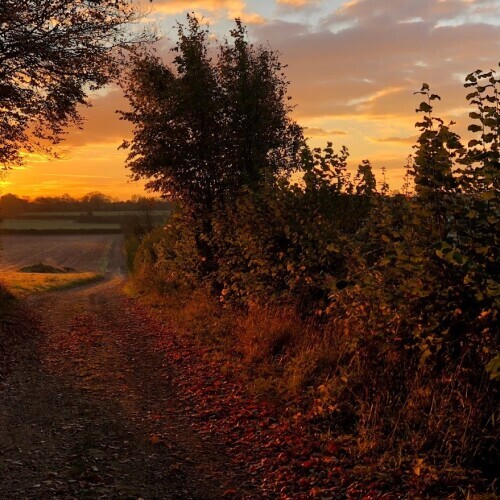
pixel 391 417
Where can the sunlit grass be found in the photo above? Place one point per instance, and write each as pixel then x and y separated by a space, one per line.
pixel 24 284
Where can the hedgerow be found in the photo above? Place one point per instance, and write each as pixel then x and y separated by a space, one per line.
pixel 394 297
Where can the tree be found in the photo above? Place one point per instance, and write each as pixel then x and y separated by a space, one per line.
pixel 10 204
pixel 436 185
pixel 366 183
pixel 96 201
pixel 261 140
pixel 52 52
pixel 178 117
pixel 206 129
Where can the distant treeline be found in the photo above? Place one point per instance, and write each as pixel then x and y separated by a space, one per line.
pixel 12 205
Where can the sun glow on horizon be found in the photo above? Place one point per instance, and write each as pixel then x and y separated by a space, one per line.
pixel 353 86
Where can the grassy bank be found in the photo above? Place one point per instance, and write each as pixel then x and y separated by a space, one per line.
pixel 22 284
pixel 393 421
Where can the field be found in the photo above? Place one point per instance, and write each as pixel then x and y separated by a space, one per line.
pixel 89 255
pixel 98 222
pixel 54 225
pixel 96 213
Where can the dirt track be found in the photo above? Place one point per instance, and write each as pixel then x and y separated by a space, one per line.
pixel 89 409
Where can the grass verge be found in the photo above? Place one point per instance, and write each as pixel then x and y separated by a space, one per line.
pixel 21 284
pixel 395 423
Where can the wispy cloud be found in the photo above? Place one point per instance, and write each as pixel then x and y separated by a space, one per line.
pixel 398 140
pixel 80 176
pixel 229 9
pixel 319 132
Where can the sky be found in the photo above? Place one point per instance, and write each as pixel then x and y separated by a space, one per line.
pixel 353 66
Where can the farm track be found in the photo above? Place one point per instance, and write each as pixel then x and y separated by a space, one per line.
pixel 90 408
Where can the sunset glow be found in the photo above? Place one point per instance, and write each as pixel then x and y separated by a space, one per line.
pixel 353 68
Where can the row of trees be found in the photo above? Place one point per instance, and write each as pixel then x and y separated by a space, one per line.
pixel 12 205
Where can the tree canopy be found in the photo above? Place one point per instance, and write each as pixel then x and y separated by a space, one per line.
pixel 206 128
pixel 52 52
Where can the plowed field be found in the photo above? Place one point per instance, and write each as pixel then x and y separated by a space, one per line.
pixel 84 253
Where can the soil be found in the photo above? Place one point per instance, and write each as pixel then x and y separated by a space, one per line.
pixel 89 408
pixel 83 252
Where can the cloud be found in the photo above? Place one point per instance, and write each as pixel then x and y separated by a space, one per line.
pixel 229 9
pixel 298 4
pixel 398 140
pixel 320 132
pixel 409 11
pixel 374 64
pixel 81 176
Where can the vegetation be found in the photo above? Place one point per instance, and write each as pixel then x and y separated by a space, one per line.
pixel 95 203
pixel 373 316
pixel 46 268
pixel 41 85
pixel 24 283
pixel 207 130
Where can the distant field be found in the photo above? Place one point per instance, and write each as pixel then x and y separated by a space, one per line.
pixel 85 253
pixel 111 213
pixel 54 224
pixel 89 255
pixel 76 222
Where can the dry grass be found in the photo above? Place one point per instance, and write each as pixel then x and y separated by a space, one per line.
pixel 23 284
pixel 370 396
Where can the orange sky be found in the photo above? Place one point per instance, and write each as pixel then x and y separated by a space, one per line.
pixel 353 67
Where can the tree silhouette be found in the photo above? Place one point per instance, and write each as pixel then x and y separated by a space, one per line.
pixel 205 129
pixel 52 52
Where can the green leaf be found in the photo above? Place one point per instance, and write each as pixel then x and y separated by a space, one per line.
pixel 493 368
pixel 459 258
